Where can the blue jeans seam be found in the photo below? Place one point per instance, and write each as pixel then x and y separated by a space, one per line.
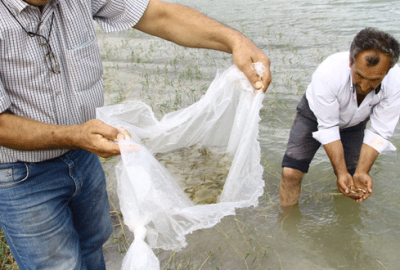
pixel 27 172
pixel 75 183
pixel 72 178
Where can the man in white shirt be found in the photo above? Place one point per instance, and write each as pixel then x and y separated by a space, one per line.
pixel 346 91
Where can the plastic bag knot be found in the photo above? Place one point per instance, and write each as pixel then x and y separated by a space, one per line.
pixel 140 232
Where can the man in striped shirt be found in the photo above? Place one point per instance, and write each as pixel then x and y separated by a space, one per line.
pixel 53 202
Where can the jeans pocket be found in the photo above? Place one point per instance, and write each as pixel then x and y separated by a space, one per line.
pixel 12 174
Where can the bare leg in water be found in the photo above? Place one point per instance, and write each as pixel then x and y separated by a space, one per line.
pixel 290 186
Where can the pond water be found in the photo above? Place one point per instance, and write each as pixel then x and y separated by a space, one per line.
pixel 326 230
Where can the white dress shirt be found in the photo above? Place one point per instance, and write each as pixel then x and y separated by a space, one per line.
pixel 333 100
pixel 28 88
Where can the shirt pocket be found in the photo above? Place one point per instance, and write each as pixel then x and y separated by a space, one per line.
pixel 13 174
pixel 84 66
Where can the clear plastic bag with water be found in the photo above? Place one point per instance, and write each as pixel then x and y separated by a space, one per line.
pixel 154 206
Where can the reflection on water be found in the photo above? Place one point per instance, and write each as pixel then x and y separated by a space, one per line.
pixel 326 230
pixel 201 172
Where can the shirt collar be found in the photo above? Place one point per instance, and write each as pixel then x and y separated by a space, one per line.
pixel 378 88
pixel 20 5
pixel 16 5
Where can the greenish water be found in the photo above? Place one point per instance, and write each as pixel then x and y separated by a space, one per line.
pixel 326 230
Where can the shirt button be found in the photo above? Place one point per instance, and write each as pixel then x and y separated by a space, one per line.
pixel 58 93
pixel 16 9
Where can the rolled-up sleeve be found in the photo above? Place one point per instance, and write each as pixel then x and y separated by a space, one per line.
pixel 324 104
pixel 5 102
pixel 384 118
pixel 118 15
pixel 378 142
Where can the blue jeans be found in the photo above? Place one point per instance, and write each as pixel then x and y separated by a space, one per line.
pixel 55 214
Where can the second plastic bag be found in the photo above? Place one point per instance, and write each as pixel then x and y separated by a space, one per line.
pixel 153 205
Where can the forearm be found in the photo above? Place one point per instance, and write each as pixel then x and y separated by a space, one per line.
pixel 22 133
pixel 362 180
pixel 367 158
pixel 335 152
pixel 187 27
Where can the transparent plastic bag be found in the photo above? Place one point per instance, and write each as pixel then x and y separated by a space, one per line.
pixel 153 204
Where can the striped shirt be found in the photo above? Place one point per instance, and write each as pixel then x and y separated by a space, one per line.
pixel 28 88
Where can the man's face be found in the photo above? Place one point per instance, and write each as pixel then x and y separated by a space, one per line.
pixel 37 3
pixel 367 78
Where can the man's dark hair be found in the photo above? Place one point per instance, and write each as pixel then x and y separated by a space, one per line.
pixel 373 39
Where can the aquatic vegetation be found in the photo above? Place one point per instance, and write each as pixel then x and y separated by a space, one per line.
pixel 200 172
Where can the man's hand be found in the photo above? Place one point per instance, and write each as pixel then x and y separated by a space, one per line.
pixel 345 183
pixel 363 183
pixel 244 54
pixel 346 186
pixel 361 178
pixel 97 137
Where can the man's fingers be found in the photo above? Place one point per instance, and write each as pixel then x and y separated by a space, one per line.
pixel 369 186
pixel 343 187
pixel 96 126
pixel 364 197
pixel 266 79
pixel 351 192
pixel 97 137
pixel 364 183
pixel 125 132
pixel 262 80
pixel 259 81
pixel 111 133
pixel 107 148
pixel 251 75
pixel 354 196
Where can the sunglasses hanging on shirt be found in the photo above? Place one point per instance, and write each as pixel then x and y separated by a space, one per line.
pixel 50 58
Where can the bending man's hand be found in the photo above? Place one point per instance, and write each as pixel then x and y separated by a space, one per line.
pixel 346 186
pixel 361 178
pixel 345 183
pixel 363 183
